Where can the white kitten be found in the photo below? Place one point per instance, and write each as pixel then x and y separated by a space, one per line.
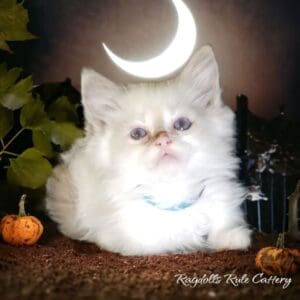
pixel 156 171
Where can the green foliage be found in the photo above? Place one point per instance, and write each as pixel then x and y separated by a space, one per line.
pixel 29 169
pixel 33 115
pixel 54 126
pixel 63 110
pixel 41 139
pixel 14 94
pixel 8 78
pixel 20 111
pixel 64 134
pixel 18 94
pixel 13 23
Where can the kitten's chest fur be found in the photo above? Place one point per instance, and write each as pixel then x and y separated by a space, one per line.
pixel 164 190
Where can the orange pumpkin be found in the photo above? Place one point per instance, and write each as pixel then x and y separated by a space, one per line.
pixel 277 261
pixel 21 229
pixel 296 253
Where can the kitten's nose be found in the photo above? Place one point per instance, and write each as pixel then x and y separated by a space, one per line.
pixel 163 140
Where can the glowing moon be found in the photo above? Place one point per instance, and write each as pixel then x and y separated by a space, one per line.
pixel 173 57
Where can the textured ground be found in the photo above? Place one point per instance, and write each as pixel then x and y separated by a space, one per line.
pixel 60 268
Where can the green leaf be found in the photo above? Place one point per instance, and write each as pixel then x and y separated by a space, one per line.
pixel 41 139
pixel 8 78
pixel 33 115
pixel 62 110
pixel 6 121
pixel 13 23
pixel 29 169
pixel 18 94
pixel 64 134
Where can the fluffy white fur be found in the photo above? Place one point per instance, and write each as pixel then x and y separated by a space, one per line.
pixel 96 193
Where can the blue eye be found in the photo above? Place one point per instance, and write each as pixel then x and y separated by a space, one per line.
pixel 138 133
pixel 182 124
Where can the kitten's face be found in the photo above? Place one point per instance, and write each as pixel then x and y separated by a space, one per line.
pixel 153 129
pixel 157 128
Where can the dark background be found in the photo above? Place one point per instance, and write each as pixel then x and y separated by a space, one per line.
pixel 256 43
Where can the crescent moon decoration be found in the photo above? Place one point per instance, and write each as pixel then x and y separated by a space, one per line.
pixel 173 57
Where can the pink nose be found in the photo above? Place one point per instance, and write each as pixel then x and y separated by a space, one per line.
pixel 163 140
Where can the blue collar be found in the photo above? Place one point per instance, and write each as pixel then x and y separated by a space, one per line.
pixel 182 205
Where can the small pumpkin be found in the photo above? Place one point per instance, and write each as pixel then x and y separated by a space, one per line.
pixel 296 253
pixel 21 229
pixel 278 260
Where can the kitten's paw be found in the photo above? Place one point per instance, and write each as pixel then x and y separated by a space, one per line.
pixel 236 238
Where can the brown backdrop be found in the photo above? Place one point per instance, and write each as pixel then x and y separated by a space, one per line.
pixel 256 42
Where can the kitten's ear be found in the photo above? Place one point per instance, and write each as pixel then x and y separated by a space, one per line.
pixel 200 78
pixel 99 97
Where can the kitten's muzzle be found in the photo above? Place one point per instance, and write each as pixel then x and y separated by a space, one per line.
pixel 162 140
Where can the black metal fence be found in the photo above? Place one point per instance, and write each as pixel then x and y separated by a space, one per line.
pixel 267 206
pixel 270 213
